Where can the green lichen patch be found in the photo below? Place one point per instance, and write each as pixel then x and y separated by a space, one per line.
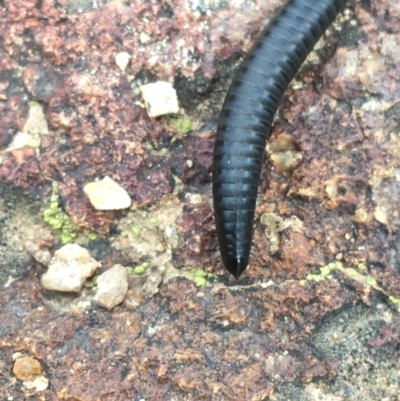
pixel 150 148
pixel 325 271
pixel 141 269
pixel 371 281
pixel 356 274
pixel 395 301
pixel 181 125
pixel 136 232
pixel 200 277
pixel 153 220
pixel 92 236
pixel 350 272
pixel 58 220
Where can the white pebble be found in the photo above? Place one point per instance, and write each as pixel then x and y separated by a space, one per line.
pixel 112 287
pixel 69 268
pixel 122 60
pixel 39 383
pixel 160 98
pixel 107 195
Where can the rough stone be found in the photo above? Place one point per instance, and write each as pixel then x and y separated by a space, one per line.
pixel 70 266
pixel 112 286
pixel 25 367
pixel 160 98
pixel 39 383
pixel 106 194
pixel 122 60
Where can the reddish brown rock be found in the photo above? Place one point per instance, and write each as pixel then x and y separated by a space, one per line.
pixel 22 170
pixel 274 331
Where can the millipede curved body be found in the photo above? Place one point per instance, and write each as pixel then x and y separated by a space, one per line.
pixel 247 115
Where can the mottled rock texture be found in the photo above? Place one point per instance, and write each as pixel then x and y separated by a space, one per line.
pixel 316 314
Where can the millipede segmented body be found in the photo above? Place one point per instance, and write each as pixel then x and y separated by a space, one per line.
pixel 247 115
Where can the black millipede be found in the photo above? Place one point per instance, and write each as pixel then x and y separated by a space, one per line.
pixel 246 118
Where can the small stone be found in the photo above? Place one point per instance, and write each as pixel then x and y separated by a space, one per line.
pixel 144 38
pixel 112 287
pixel 154 279
pixel 122 60
pixel 134 296
pixel 160 98
pixel 160 248
pixel 281 143
pixel 26 367
pixel 381 215
pixel 283 153
pixel 107 195
pixel 286 160
pixel 70 266
pixel 39 383
pixel 35 126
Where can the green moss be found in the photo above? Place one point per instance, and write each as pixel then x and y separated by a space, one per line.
pixel 58 220
pixel 394 300
pixel 198 276
pixel 153 220
pixel 124 233
pixel 336 265
pixel 180 125
pixel 130 270
pixel 150 148
pixel 314 277
pixel 200 281
pixel 66 236
pixel 140 270
pixel 136 232
pixel 351 272
pixel 361 266
pixel 325 271
pixel 92 236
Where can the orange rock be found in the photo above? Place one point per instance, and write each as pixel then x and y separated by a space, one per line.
pixel 26 367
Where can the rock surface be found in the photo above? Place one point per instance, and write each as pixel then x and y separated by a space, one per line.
pixel 315 316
